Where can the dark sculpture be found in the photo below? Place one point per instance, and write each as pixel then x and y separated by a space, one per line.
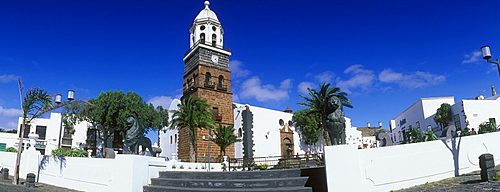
pixel 335 121
pixel 134 137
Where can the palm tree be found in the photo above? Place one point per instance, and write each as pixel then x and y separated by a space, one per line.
pixel 35 103
pixel 224 137
pixel 317 103
pixel 193 114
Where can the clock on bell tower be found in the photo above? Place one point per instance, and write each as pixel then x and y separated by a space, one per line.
pixel 207 76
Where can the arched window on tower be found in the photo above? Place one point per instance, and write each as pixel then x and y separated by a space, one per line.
pixel 240 132
pixel 209 83
pixel 214 40
pixel 202 37
pixel 221 85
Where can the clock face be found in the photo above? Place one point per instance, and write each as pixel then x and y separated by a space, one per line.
pixel 215 58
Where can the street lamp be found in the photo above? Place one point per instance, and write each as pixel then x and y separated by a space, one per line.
pixel 208 140
pixel 58 100
pixel 487 55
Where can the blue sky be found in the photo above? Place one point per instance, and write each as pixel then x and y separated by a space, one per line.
pixel 385 54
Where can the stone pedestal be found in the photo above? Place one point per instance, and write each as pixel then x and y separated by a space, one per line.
pixel 487 165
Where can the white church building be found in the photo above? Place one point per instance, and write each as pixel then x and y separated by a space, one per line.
pixel 269 129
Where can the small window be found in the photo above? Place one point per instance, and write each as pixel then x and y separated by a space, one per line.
pixel 175 141
pixel 214 28
pixel 208 76
pixel 41 131
pixel 240 132
pixel 202 27
pixel 202 36
pixel 215 111
pixel 282 123
pixel 170 139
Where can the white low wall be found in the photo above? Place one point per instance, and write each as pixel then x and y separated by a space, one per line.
pixel 402 166
pixel 125 173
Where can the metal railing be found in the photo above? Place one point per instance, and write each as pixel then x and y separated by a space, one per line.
pixel 202 41
pixel 276 162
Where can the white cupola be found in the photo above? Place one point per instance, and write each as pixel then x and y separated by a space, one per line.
pixel 207 29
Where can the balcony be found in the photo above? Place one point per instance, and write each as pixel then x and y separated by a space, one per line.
pixel 221 87
pixel 218 118
pixel 210 84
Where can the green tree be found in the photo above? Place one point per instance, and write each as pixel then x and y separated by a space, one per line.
pixel 224 137
pixel 443 115
pixel 35 103
pixel 309 125
pixel 109 111
pixel 317 103
pixel 193 114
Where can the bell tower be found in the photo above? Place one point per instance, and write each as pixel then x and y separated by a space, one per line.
pixel 207 76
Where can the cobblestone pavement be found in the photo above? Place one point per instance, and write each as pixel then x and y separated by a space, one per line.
pixel 6 185
pixel 466 182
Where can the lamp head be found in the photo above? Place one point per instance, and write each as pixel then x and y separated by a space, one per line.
pixel 486 52
pixel 58 98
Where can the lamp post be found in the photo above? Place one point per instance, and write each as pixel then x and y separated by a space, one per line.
pixel 58 100
pixel 208 140
pixel 485 50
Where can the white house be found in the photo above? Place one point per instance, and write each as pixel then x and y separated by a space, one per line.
pixel 419 115
pixel 52 135
pixel 467 113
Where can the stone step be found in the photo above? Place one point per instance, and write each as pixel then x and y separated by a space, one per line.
pixel 185 189
pixel 258 174
pixel 231 183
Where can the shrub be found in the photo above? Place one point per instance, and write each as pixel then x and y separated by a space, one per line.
pixel 487 127
pixel 261 166
pixel 74 152
pixel 429 136
pixel 10 149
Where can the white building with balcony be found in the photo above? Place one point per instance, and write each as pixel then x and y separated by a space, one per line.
pixel 52 134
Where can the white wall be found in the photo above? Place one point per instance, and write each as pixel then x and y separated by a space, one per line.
pixel 402 166
pixel 125 173
pixel 168 148
pixel 10 139
pixel 478 111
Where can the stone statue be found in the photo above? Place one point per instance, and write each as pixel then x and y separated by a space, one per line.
pixel 335 121
pixel 134 137
pixel 385 138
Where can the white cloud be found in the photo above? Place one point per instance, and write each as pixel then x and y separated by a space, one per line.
pixel 236 98
pixel 8 78
pixel 472 57
pixel 8 123
pixel 253 88
pixel 302 88
pixel 236 69
pixel 326 76
pixel 415 80
pixel 360 78
pixel 286 84
pixel 163 101
pixel 10 112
